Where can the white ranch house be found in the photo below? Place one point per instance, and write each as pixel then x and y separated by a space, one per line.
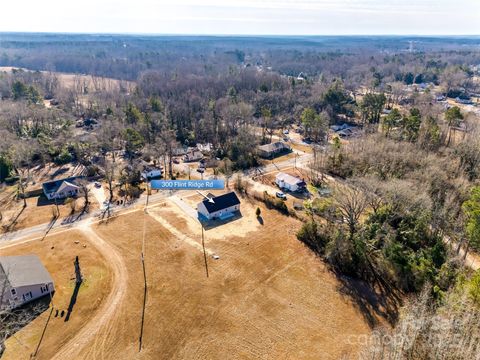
pixel 289 182
pixel 150 171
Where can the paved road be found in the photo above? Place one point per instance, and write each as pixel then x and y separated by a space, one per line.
pixel 63 224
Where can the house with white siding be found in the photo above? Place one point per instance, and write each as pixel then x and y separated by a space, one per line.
pixel 61 189
pixel 22 280
pixel 219 207
pixel 290 183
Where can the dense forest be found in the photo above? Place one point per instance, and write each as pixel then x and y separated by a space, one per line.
pixel 405 212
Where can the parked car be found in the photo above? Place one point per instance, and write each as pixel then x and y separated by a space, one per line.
pixel 97 185
pixel 285 132
pixel 201 170
pixel 281 195
pixel 176 161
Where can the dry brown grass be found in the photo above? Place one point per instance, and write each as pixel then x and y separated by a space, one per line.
pixel 35 214
pixel 59 262
pixel 267 297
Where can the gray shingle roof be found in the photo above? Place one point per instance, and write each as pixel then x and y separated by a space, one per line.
pixel 53 186
pixel 23 270
pixel 273 147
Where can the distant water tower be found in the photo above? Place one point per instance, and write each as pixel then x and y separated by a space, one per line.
pixel 410 48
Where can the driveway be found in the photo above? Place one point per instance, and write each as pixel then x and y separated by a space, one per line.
pixel 187 209
pixel 99 194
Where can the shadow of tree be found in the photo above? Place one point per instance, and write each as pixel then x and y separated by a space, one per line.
pixel 13 220
pixel 16 319
pixel 374 301
pixel 73 300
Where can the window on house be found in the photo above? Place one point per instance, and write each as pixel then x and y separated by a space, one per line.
pixel 14 292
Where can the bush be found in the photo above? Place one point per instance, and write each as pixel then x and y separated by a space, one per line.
pixel 11 180
pixel 5 169
pixel 311 236
pixel 277 204
pixel 64 157
pixel 92 170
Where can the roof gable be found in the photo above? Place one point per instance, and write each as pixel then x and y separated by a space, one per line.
pixel 53 186
pixel 67 186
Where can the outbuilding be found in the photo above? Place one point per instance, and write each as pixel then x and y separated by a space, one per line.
pixel 222 207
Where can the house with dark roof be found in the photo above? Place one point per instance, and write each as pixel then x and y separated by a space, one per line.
pixel 23 279
pixel 61 189
pixel 269 151
pixel 221 207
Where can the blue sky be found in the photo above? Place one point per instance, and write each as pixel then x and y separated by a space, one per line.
pixel 251 17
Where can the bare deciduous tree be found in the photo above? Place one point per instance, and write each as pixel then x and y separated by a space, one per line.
pixel 351 202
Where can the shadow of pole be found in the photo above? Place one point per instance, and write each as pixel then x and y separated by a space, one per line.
pixel 78 283
pixel 43 333
pixel 204 252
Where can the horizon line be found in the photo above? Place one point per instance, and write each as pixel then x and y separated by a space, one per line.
pixel 235 35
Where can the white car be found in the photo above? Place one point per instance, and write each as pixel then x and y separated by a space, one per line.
pixel 280 195
pixel 285 132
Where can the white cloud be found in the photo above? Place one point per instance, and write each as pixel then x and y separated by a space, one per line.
pixel 244 17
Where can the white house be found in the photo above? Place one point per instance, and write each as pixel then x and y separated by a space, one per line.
pixel 23 279
pixel 150 171
pixel 222 207
pixel 289 182
pixel 60 189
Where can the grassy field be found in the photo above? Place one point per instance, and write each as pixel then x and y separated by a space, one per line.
pixel 267 297
pixel 57 253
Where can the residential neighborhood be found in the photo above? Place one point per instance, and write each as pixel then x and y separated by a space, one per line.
pixel 240 180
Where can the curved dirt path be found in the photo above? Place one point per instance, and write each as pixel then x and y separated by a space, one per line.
pixel 106 313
